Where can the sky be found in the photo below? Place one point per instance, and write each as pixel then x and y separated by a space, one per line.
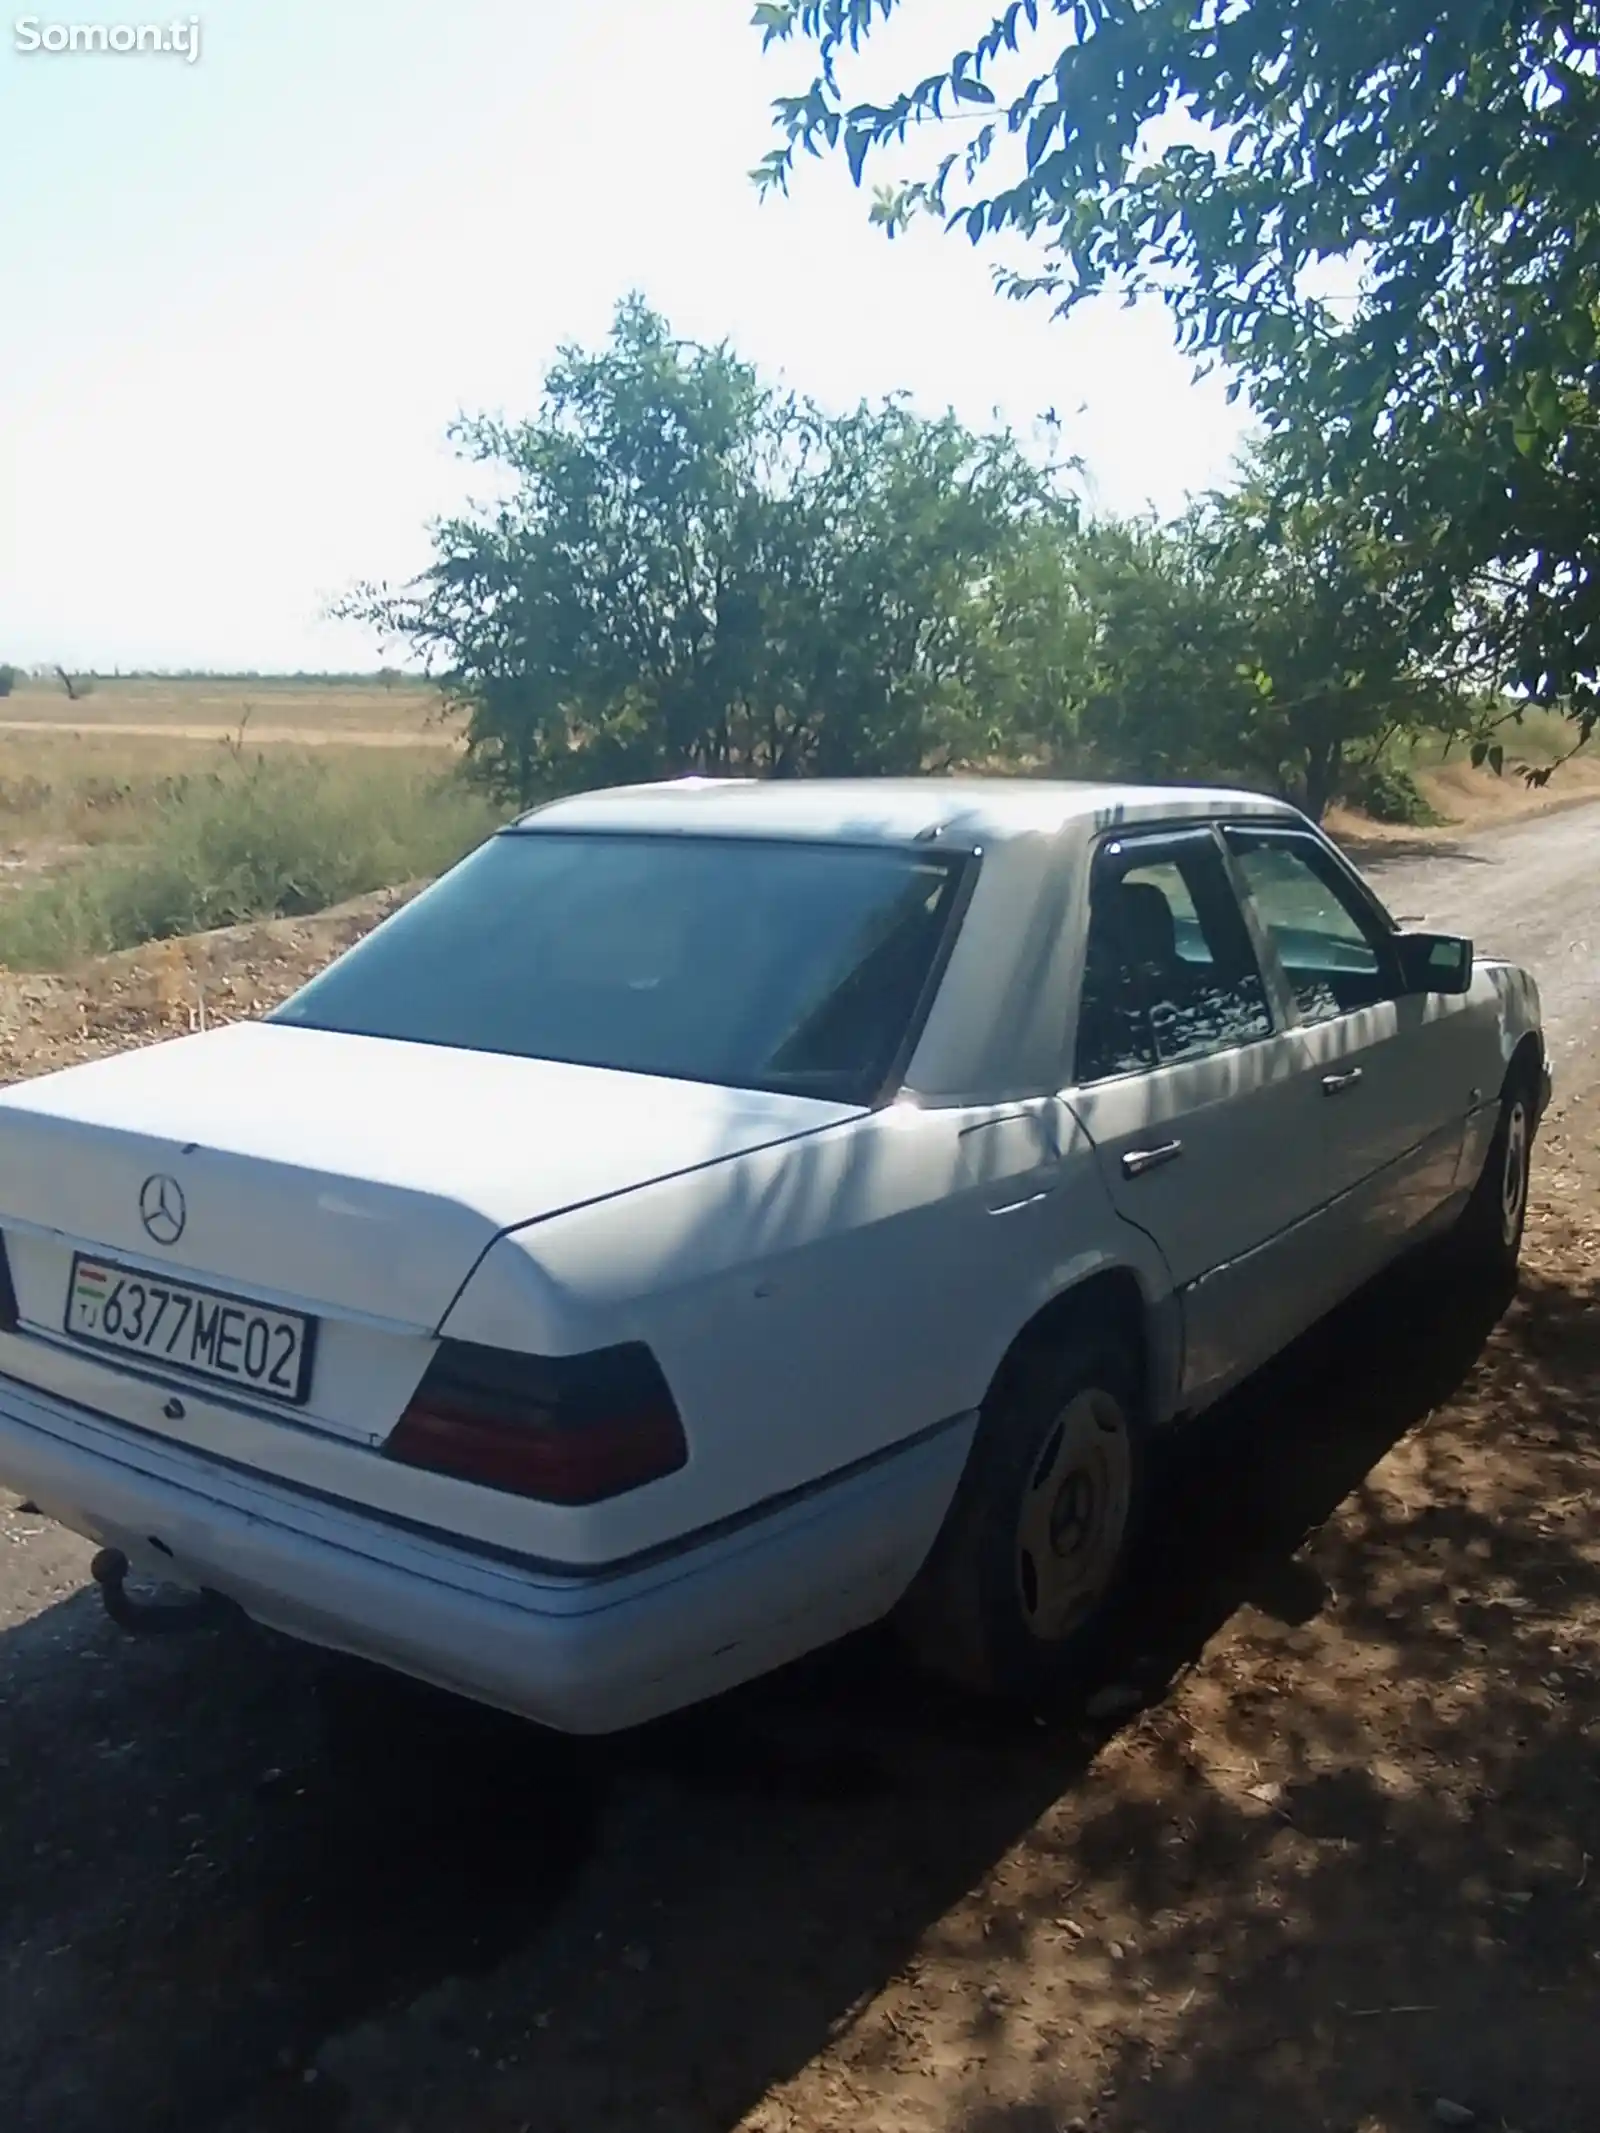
pixel 242 297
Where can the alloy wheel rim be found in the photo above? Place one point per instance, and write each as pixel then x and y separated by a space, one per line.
pixel 1073 1516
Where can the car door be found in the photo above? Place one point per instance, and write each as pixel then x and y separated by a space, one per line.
pixel 1195 1097
pixel 1383 1061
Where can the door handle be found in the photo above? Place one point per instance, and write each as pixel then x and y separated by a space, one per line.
pixel 1138 1160
pixel 1336 1084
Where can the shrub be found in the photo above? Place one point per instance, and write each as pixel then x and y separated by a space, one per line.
pixel 1389 794
pixel 9 677
pixel 267 837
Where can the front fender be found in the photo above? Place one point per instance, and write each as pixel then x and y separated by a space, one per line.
pixel 1508 1018
pixel 1519 1014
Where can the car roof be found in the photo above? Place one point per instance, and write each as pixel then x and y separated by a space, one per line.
pixel 959 811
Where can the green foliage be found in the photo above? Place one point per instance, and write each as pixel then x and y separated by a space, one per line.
pixel 1389 793
pixel 1253 641
pixel 9 677
pixel 687 572
pixel 1160 690
pixel 1382 213
pixel 268 836
pixel 690 572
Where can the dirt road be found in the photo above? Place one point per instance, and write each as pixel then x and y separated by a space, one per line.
pixel 1341 1865
pixel 1531 891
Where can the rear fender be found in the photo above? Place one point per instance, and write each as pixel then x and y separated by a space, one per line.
pixel 1160 1314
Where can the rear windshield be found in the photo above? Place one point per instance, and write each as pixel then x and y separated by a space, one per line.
pixel 761 965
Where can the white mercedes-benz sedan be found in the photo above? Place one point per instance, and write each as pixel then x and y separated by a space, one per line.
pixel 718 1216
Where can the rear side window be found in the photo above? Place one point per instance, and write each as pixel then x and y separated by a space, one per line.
pixel 1334 951
pixel 1169 971
pixel 794 966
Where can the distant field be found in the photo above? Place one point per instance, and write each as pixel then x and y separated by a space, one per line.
pixel 153 808
pixel 62 788
pixel 270 712
pixel 98 771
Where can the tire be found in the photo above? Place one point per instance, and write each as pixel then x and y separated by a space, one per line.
pixel 1488 1238
pixel 1015 1599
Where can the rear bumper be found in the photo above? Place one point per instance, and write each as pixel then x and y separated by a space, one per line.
pixel 587 1654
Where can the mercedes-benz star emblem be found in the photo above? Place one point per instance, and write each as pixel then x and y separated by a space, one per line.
pixel 161 1209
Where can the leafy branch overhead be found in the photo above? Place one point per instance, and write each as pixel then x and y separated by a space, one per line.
pixel 1381 214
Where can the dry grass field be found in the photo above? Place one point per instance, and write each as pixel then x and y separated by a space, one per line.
pixel 150 809
pixel 269 710
pixel 75 774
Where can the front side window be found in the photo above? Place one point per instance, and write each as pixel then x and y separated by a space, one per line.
pixel 1334 953
pixel 787 965
pixel 1169 972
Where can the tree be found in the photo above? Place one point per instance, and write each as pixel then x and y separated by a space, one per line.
pixel 913 565
pixel 1382 213
pixel 1350 637
pixel 687 570
pixel 9 677
pixel 1254 640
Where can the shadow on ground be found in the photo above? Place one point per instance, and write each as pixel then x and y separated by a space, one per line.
pixel 249 1888
pixel 1376 851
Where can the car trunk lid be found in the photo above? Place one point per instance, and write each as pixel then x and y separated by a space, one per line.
pixel 354 1175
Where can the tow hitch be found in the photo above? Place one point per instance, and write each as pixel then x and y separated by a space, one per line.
pixel 153 1618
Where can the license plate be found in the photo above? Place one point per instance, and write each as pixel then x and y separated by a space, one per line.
pixel 204 1332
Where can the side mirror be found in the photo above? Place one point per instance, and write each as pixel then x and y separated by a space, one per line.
pixel 1434 962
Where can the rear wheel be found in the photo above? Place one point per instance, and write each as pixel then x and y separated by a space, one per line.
pixel 1488 1239
pixel 1015 1598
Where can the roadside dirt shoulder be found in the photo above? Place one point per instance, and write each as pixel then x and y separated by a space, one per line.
pixel 1468 803
pixel 171 988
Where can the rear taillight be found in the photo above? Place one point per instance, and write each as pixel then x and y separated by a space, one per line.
pixel 566 1429
pixel 8 1294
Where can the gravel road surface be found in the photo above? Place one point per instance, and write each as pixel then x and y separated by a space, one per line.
pixel 1530 892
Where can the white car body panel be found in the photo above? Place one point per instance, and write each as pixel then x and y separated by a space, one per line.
pixel 1505 1014
pixel 1223 1227
pixel 1387 1144
pixel 369 1175
pixel 791 1302
pixel 586 1655
pixel 829 1289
